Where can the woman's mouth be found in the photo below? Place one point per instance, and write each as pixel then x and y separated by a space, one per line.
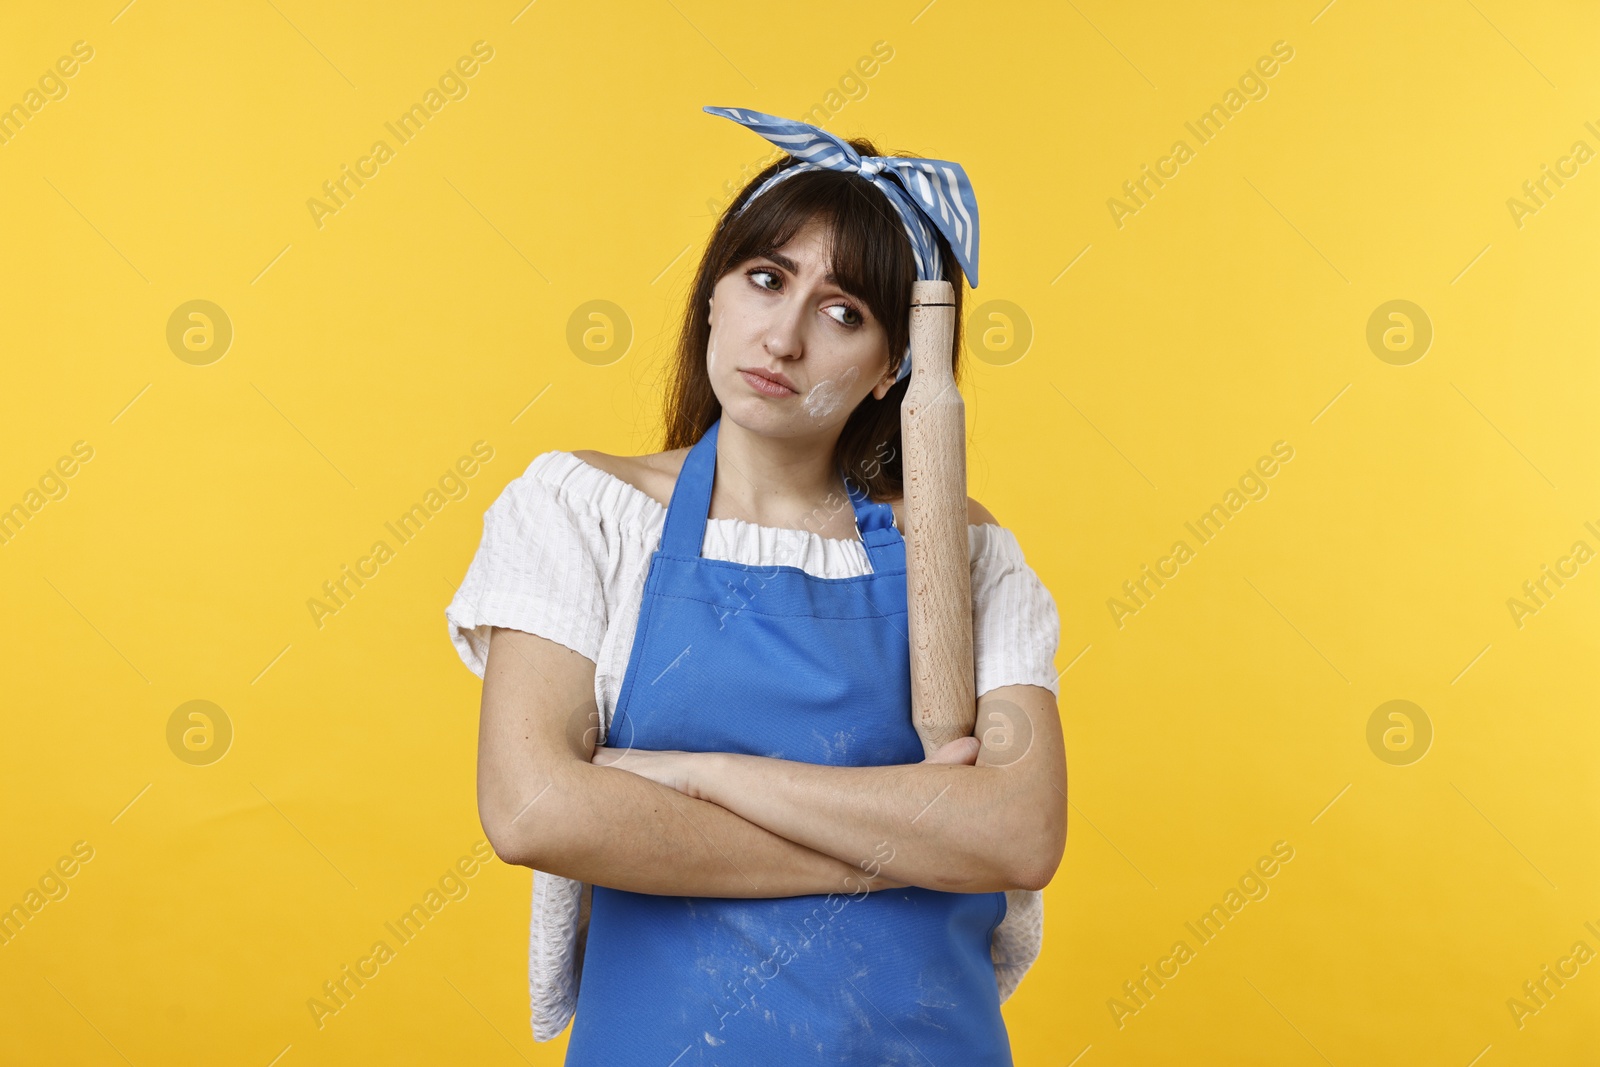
pixel 766 386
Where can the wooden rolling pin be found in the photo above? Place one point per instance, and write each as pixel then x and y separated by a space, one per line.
pixel 933 434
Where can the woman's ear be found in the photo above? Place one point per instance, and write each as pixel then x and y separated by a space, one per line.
pixel 880 390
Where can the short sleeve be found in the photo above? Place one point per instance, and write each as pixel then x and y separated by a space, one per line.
pixel 539 568
pixel 1015 628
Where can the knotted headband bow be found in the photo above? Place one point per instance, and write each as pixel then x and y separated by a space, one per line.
pixel 923 192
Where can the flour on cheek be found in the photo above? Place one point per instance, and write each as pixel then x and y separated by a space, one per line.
pixel 825 397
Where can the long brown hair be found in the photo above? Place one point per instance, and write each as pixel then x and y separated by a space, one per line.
pixel 873 260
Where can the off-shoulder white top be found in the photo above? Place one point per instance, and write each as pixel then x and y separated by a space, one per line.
pixel 566 548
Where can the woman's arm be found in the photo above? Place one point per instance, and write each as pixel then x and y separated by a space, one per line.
pixel 998 825
pixel 544 805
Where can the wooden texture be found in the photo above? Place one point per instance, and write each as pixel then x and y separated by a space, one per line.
pixel 933 433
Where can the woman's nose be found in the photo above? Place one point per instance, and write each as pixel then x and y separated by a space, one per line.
pixel 786 329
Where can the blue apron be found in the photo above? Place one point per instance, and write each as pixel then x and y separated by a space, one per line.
pixel 777 662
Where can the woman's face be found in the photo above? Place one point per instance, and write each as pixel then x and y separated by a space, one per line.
pixel 778 315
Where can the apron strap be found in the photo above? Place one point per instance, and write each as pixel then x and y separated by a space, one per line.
pixel 875 524
pixel 684 532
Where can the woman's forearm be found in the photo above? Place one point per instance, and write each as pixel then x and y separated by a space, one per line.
pixel 596 825
pixel 952 828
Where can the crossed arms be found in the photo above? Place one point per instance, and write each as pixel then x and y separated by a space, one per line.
pixel 983 814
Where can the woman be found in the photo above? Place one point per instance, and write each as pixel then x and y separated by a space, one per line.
pixel 771 874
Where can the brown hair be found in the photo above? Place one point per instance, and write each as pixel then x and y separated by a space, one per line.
pixel 873 261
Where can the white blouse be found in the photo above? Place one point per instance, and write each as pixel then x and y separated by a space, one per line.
pixel 565 552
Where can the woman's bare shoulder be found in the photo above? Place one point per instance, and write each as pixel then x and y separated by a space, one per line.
pixel 654 474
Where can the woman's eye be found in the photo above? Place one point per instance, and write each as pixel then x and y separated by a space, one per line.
pixel 854 316
pixel 759 273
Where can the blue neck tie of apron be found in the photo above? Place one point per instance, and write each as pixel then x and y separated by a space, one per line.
pixel 773 661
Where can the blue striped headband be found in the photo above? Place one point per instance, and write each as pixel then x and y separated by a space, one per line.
pixel 925 193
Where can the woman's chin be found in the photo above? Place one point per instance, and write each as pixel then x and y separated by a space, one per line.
pixel 769 417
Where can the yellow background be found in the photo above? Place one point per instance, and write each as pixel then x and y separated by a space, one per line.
pixel 1229 313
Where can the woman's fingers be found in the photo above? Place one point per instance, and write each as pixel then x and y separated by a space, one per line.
pixel 963 750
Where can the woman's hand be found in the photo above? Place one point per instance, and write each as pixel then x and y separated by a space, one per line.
pixel 961 750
